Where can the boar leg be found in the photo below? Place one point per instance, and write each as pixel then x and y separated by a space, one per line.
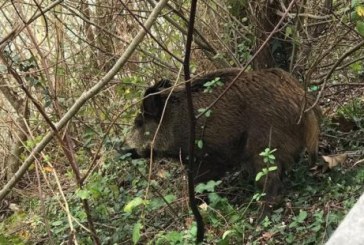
pixel 210 168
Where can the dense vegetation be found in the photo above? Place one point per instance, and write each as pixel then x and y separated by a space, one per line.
pixel 83 189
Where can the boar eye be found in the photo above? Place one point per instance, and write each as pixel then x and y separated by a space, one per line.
pixel 139 121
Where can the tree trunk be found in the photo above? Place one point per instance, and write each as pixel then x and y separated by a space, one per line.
pixel 277 52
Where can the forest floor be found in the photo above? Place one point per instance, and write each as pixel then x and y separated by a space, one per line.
pixel 316 198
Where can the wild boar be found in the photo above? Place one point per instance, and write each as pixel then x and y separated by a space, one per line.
pixel 261 109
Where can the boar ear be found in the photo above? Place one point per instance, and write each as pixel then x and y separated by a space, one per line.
pixel 153 104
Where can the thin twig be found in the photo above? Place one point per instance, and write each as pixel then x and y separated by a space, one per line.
pixel 338 62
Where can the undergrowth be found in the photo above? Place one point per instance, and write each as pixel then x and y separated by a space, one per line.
pixel 124 213
pixel 129 205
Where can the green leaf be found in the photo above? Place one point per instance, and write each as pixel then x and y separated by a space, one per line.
pixel 57 223
pixel 360 27
pixel 289 31
pixel 356 67
pixel 259 176
pixel 208 113
pixel 174 237
pixel 214 198
pixel 273 168
pixel 205 112
pixel 199 144
pixel 360 10
pixel 258 196
pixel 83 194
pixel 316 228
pixel 209 186
pixel 226 233
pixel 302 216
pixel 136 232
pixel 170 198
pixel 314 88
pixel 272 157
pixel 133 204
pixel 293 224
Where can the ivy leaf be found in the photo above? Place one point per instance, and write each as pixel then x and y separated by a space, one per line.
pixel 209 186
pixel 133 204
pixel 360 10
pixel 170 198
pixel 83 194
pixel 174 237
pixel 360 27
pixel 136 232
pixel 301 216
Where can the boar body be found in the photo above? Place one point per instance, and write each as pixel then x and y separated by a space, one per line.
pixel 261 109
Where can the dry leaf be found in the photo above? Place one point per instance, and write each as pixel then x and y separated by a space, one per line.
pixel 188 221
pixel 48 169
pixel 267 235
pixel 358 162
pixel 14 207
pixel 204 206
pixel 162 173
pixel 334 160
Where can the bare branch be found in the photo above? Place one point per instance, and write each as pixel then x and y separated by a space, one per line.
pixel 84 98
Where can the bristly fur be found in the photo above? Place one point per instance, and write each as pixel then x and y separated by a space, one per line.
pixel 260 110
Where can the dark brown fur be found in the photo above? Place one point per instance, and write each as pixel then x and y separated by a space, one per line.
pixel 261 109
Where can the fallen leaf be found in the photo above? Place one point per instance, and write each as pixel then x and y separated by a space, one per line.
pixel 333 161
pixel 267 235
pixel 204 206
pixel 188 221
pixel 48 169
pixel 14 207
pixel 162 174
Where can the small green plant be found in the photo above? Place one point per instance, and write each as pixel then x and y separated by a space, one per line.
pixel 244 51
pixel 357 16
pixel 357 68
pixel 298 220
pixel 209 187
pixel 199 143
pixel 205 111
pixel 354 111
pixel 210 85
pixel 257 196
pixel 269 158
